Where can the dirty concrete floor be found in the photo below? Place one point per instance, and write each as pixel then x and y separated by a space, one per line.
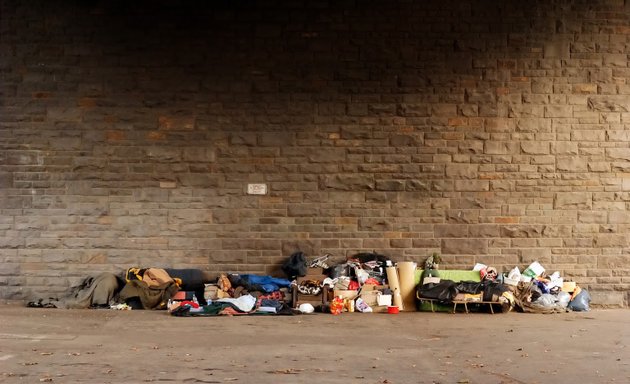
pixel 107 346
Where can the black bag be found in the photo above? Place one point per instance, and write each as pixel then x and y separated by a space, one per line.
pixel 492 291
pixel 471 287
pixel 445 290
pixel 295 265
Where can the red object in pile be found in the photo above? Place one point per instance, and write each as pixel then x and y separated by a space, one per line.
pixel 393 309
pixel 336 306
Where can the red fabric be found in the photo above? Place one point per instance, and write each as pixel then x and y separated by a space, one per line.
pixel 372 281
pixel 191 303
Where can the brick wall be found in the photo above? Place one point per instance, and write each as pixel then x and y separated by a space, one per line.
pixel 492 132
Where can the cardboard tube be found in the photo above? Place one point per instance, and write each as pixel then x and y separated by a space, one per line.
pixel 394 285
pixel 406 272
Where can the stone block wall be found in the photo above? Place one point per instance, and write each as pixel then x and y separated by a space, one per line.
pixel 493 132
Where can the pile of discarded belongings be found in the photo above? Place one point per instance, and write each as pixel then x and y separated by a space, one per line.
pixel 310 285
pixel 484 289
pixel 364 282
pixel 541 293
pixel 314 285
pixel 237 294
pixel 359 283
pixel 136 288
pixel 181 291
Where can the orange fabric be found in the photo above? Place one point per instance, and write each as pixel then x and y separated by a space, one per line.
pixel 155 276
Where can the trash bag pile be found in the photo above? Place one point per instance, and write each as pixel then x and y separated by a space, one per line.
pixel 531 290
pixel 538 292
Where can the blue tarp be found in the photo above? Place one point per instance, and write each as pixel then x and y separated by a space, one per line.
pixel 267 283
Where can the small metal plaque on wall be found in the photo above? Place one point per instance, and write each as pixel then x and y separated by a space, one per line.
pixel 256 189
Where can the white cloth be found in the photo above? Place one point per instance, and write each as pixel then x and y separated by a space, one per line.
pixel 244 303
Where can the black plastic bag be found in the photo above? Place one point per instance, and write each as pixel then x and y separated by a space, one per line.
pixel 492 291
pixel 445 290
pixel 471 287
pixel 365 257
pixel 340 270
pixel 296 265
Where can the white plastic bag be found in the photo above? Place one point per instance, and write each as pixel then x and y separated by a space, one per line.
pixel 563 299
pixel 515 274
pixel 479 267
pixel 362 275
pixel 361 306
pixel 555 281
pixel 546 300
pixel 306 308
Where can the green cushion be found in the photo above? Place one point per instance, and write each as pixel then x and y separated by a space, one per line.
pixel 456 275
pixel 425 306
pixel 446 274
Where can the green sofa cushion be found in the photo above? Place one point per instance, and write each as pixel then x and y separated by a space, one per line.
pixel 446 274
pixel 456 275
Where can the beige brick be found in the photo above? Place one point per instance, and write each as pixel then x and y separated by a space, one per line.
pixel 573 200
pixel 535 148
pixel 564 148
pixel 619 217
pixel 500 148
pixel 571 164
pixel 472 185
pixel 558 111
pixel 461 171
pixel 588 135
pixel 585 88
pixel 618 153
pixel 464 246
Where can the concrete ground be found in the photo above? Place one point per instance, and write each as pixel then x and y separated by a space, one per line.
pixel 107 346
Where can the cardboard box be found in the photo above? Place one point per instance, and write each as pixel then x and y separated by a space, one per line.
pixel 368 287
pixel 211 292
pixel 318 277
pixel 314 271
pixel 371 298
pixel 345 293
pixel 372 287
pixel 371 295
pixel 568 286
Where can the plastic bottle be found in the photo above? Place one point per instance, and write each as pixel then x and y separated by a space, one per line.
pixel 350 305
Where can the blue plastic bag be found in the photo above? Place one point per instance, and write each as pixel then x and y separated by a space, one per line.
pixel 581 302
